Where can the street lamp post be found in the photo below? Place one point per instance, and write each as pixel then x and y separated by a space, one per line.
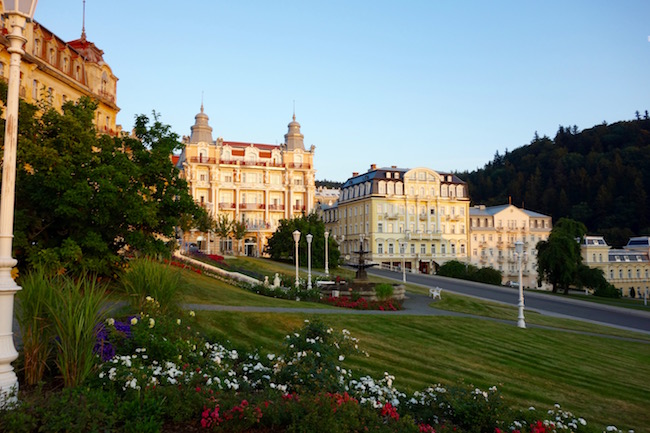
pixel 17 13
pixel 309 239
pixel 403 248
pixel 519 251
pixel 296 239
pixel 327 235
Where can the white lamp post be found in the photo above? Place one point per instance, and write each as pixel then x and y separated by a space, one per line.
pixel 327 235
pixel 296 239
pixel 17 13
pixel 309 239
pixel 519 251
pixel 403 248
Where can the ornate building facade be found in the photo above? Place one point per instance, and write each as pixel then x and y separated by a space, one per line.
pixel 493 233
pixel 417 218
pixel 54 71
pixel 258 184
pixel 627 269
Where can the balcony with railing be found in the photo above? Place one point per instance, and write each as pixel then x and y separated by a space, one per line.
pixel 226 205
pixel 251 206
pixel 299 208
pixel 298 165
pixel 276 207
pixel 202 160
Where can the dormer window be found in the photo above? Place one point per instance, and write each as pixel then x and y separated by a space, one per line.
pixel 388 175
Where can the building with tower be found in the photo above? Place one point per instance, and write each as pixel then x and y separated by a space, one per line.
pixel 54 71
pixel 416 218
pixel 257 184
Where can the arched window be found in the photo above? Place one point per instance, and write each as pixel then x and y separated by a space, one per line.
pixel 399 188
pixel 390 188
pixel 460 191
pixel 444 191
pixel 382 187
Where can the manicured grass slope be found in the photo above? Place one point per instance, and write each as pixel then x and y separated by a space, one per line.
pixel 601 379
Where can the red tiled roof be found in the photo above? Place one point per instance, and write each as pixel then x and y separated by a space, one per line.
pixel 259 146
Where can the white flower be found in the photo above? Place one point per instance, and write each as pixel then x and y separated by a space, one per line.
pixel 110 322
pixel 270 356
pixel 192 313
pixel 134 321
pixel 341 357
pixel 149 299
pixel 178 321
pixel 152 323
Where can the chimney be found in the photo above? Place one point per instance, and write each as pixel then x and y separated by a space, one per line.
pixel 393 166
pixel 373 167
pixel 355 173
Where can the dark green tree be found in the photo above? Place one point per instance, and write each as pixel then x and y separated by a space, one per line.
pixel 85 200
pixel 281 245
pixel 558 258
pixel 239 231
pixel 223 227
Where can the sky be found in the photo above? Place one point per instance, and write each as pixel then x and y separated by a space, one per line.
pixel 429 83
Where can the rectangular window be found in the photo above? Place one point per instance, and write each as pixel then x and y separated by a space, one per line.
pixel 380 227
pixel 412 248
pixel 380 248
pixel 391 248
pixel 423 249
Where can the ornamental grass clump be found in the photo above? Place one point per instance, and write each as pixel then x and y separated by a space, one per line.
pixel 76 310
pixel 384 291
pixel 146 277
pixel 33 318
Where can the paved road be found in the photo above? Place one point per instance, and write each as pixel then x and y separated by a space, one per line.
pixel 624 318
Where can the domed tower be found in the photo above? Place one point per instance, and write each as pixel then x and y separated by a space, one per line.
pixel 294 139
pixel 201 131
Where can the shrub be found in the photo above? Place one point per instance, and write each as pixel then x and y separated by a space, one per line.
pixel 607 291
pixel 147 277
pixel 487 275
pixel 384 291
pixel 32 314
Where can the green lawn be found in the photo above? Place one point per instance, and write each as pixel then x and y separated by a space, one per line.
pixel 602 379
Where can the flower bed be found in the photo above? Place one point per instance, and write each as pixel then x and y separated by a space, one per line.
pixel 362 303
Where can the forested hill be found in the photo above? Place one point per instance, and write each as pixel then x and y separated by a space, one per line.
pixel 599 176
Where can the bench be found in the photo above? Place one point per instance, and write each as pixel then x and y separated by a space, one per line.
pixel 435 292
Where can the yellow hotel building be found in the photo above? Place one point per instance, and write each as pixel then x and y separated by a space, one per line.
pixel 627 269
pixel 416 217
pixel 258 184
pixel 55 71
pixel 493 233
